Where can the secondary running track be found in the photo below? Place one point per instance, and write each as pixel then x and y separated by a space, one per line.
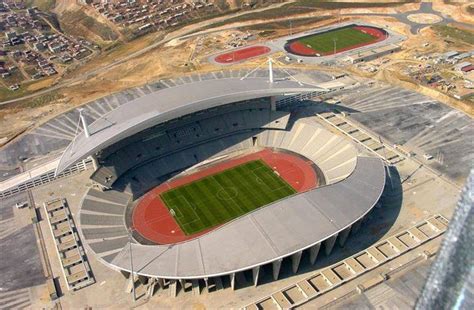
pixel 298 48
pixel 152 220
pixel 242 54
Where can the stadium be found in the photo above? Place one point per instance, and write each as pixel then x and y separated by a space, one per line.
pixel 200 183
pixel 335 40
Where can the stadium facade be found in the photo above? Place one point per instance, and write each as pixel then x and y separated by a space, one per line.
pixel 152 139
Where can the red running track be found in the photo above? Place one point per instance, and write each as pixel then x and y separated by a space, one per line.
pixel 152 220
pixel 301 49
pixel 242 54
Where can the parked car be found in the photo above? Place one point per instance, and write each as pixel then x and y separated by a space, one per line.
pixel 21 205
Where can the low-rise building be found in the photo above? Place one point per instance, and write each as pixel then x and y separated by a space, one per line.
pixel 10 35
pixel 448 55
pixel 373 53
pixel 39 46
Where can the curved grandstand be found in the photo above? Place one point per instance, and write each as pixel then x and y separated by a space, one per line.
pixel 276 185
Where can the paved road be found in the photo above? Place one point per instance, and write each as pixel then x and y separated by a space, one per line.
pixel 425 8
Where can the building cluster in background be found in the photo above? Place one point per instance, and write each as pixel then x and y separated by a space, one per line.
pixel 451 72
pixel 31 48
pixel 148 15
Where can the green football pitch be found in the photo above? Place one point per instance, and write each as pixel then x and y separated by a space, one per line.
pixel 224 196
pixel 345 37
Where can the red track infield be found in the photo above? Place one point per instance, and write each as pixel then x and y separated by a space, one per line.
pixel 299 48
pixel 242 54
pixel 152 220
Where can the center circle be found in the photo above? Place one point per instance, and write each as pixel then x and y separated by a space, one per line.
pixel 424 18
pixel 227 193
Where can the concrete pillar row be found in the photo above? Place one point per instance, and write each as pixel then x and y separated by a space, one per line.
pixel 329 244
pixel 313 253
pixel 295 261
pixel 276 265
pixel 255 275
pixel 343 236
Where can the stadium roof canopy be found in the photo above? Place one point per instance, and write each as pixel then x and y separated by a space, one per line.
pixel 170 103
pixel 267 234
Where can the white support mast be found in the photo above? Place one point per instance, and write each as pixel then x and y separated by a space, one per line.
pixel 84 124
pixel 270 69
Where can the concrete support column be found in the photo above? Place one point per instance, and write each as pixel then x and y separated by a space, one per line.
pixel 183 284
pixel 313 253
pixel 255 275
pixel 273 103
pixel 206 280
pixel 160 282
pixel 129 286
pixel 218 283
pixel 276 265
pixel 143 280
pixel 151 287
pixel 173 288
pixel 196 288
pixel 95 162
pixel 232 280
pixel 329 244
pixel 295 261
pixel 126 274
pixel 356 226
pixel 343 236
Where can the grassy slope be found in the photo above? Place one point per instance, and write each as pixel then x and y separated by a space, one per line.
pixel 77 23
pixel 453 33
pixel 43 5
pixel 221 197
pixel 344 38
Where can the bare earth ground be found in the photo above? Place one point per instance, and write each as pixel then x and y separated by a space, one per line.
pixel 169 61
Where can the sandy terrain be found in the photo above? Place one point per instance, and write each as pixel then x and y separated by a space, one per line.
pixel 170 61
pixel 458 12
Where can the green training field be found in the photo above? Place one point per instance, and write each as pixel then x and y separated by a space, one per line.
pixel 345 37
pixel 221 197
